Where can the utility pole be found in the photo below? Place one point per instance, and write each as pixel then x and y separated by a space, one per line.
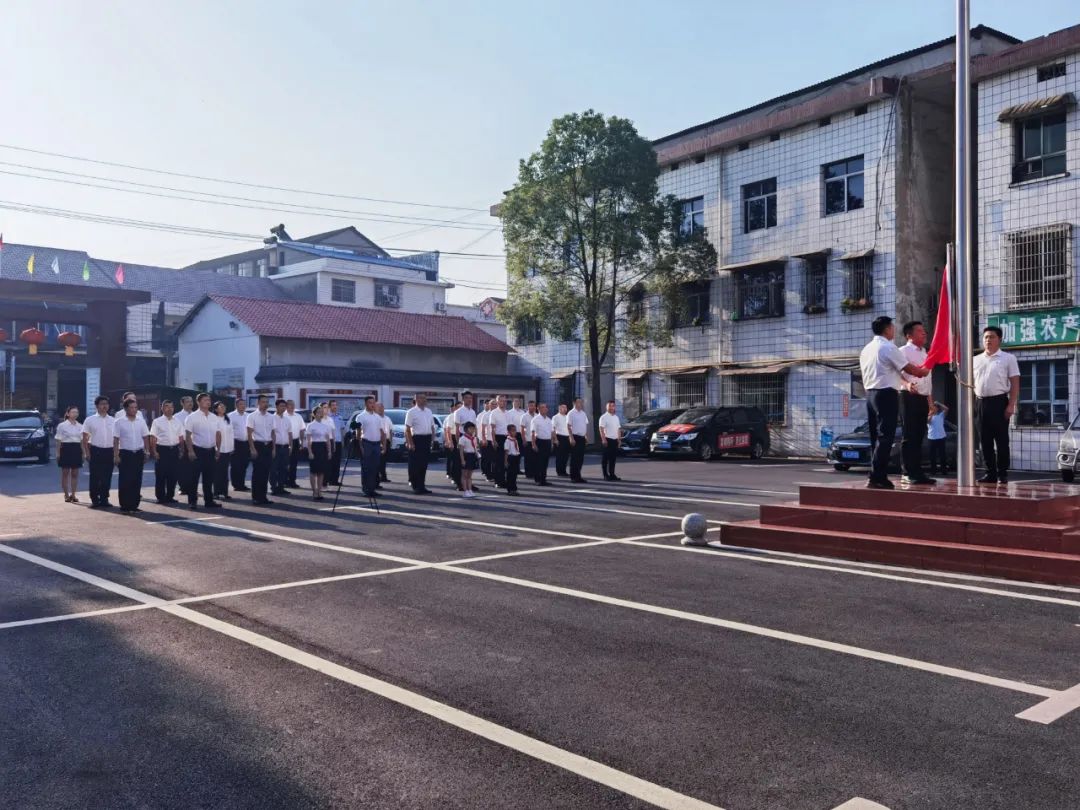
pixel 965 417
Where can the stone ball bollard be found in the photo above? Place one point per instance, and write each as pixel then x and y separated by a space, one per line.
pixel 694 527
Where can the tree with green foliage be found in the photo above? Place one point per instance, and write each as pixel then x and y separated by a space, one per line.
pixel 587 234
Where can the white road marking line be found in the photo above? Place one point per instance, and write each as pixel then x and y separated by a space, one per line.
pixel 1054 707
pixel 721 487
pixel 660 535
pixel 744 557
pixel 501 735
pixel 564 504
pixel 860 804
pixel 667 498
pixel 184 520
pixel 472 522
pixel 66 617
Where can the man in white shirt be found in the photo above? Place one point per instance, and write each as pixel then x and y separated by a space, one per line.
pixel 298 426
pixel 498 423
pixel 388 431
pixel 561 427
pixel 462 417
pixel 997 389
pixel 882 362
pixel 260 432
pixel 916 398
pixel 370 427
pixel 204 442
pixel 578 422
pixel 448 439
pixel 525 424
pixel 97 439
pixel 610 441
pixel 131 439
pixel 483 433
pixel 166 439
pixel 184 466
pixel 541 430
pixel 279 469
pixel 241 452
pixel 419 429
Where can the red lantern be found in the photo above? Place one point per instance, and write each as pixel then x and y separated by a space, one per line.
pixel 33 337
pixel 69 340
pixel 3 335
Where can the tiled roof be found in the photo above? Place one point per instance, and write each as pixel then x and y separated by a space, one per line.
pixel 14 258
pixel 305 321
pixel 191 286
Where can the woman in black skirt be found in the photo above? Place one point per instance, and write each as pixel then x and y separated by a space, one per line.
pixel 69 453
pixel 320 438
pixel 225 453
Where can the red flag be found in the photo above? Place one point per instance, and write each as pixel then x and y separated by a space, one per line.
pixel 119 274
pixel 941 345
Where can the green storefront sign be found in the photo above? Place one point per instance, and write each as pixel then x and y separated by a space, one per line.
pixel 1055 327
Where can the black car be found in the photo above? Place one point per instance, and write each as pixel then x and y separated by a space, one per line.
pixel 22 435
pixel 637 432
pixel 853 449
pixel 706 433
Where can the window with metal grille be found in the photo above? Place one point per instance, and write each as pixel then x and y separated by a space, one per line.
pixel 860 281
pixel 567 389
pixel 635 304
pixel 760 292
pixel 815 284
pixel 633 403
pixel 1044 393
pixel 1047 72
pixel 1039 267
pixel 693 215
pixel 843 185
pixel 527 330
pixel 687 390
pixel 388 294
pixel 694 309
pixel 343 291
pixel 858 390
pixel 1040 147
pixel 765 391
pixel 759 205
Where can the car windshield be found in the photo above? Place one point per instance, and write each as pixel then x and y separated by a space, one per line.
pixel 1075 425
pixel 397 417
pixel 695 416
pixel 19 420
pixel 655 415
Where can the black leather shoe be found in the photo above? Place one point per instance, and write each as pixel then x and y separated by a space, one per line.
pixel 886 484
pixel 241 489
pixel 213 505
pixel 1003 478
pixel 988 479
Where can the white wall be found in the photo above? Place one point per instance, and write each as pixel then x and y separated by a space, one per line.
pixel 209 342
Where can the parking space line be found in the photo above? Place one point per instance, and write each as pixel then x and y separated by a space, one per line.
pixel 472 522
pixel 670 498
pixel 718 487
pixel 1054 707
pixel 559 503
pixel 592 770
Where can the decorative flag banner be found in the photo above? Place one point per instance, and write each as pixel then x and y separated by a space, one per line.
pixel 30 265
pixel 119 274
pixel 85 270
pixel 941 345
pixel 56 265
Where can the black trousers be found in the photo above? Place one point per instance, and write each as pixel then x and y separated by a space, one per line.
pixel 333 469
pixel 382 464
pixel 260 470
pixel 454 462
pixel 498 461
pixel 577 457
pixel 607 461
pixel 294 459
pixel 369 465
pixel 204 467
pixel 279 469
pixel 183 470
pixel 513 468
pixel 994 432
pixel 562 453
pixel 914 411
pixel 541 460
pixel 221 474
pixel 882 409
pixel 451 452
pixel 129 485
pixel 418 461
pixel 529 459
pixel 938 461
pixel 241 456
pixel 101 470
pixel 165 472
pixel 485 460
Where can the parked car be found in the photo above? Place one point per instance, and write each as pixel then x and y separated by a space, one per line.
pixel 398 451
pixel 637 432
pixel 1068 455
pixel 853 449
pixel 706 433
pixel 22 435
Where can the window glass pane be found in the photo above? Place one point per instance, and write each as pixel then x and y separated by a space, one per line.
pixel 755 214
pixel 1061 379
pixel 836 169
pixel 1053 165
pixel 855 192
pixel 834 197
pixel 1032 138
pixel 1053 134
pixel 769 186
pixel 770 215
pixel 1026 377
pixel 1042 380
pixel 855 165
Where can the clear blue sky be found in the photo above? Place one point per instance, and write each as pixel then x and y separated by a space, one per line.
pixel 420 101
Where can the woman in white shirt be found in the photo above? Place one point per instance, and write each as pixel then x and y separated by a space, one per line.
pixel 320 442
pixel 225 452
pixel 69 453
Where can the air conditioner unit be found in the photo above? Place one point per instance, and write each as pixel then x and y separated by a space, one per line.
pixel 440 307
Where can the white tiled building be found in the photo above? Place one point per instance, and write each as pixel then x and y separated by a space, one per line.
pixel 1028 216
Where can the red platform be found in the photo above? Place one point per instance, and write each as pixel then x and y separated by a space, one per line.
pixel 1019 531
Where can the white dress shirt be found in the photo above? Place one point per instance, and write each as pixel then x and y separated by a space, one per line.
pixel 100 430
pixel 296 424
pixel 511 447
pixel 68 432
pixel 202 429
pixel 282 429
pixel 513 417
pixel 167 432
pixel 609 423
pixel 482 425
pixel 319 431
pixel 462 417
pixel 578 421
pixel 182 416
pixel 388 426
pixel 560 424
pixel 526 426
pixel 994 373
pixel 541 427
pixel 449 425
pixel 228 435
pixel 420 420
pixel 371 426
pixel 260 425
pixel 881 361
pixel 498 422
pixel 131 433
pixel 916 356
pixel 239 424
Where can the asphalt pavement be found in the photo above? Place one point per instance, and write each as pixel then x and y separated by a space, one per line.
pixel 555 650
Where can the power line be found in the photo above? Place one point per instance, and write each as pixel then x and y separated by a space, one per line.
pixel 237 182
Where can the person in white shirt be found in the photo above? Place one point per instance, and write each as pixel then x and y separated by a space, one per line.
pixel 260 431
pixel 297 426
pixel 184 467
pixel 997 389
pixel 512 458
pixel 69 453
pixel 388 429
pixel 203 434
pixel 916 397
pixel 448 439
pixel 320 440
pixel 610 440
pixel 279 470
pixel 578 421
pixel 561 427
pixel 525 437
pixel 166 443
pixel 881 362
pixel 226 448
pixel 131 440
pixel 541 429
pixel 242 452
pixel 935 434
pixel 97 441
pixel 462 416
pixel 497 424
pixel 467 451
pixel 419 430
pixel 483 433
pixel 372 436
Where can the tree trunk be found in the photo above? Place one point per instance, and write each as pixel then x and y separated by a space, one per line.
pixel 597 403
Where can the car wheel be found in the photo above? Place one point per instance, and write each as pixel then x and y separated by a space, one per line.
pixel 1068 476
pixel 705 451
pixel 757 450
pixel 841 467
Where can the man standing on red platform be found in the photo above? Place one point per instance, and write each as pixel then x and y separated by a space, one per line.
pixel 882 362
pixel 915 401
pixel 997 388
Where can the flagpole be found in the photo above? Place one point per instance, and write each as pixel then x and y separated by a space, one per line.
pixel 965 417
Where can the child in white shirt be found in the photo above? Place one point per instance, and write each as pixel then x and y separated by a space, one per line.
pixel 467 449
